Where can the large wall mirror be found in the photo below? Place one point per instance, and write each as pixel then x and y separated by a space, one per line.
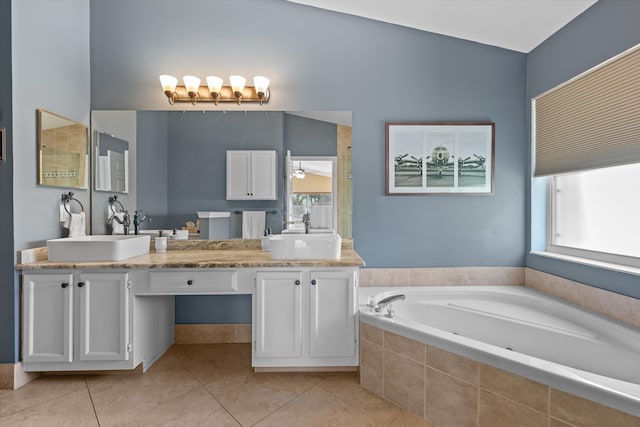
pixel 62 151
pixel 178 162
pixel 111 163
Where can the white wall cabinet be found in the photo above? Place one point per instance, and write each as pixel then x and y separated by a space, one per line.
pixel 305 318
pixel 71 318
pixel 252 175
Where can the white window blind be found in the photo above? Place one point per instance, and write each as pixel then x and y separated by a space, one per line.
pixel 591 121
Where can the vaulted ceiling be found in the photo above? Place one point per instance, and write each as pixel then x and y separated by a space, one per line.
pixel 519 25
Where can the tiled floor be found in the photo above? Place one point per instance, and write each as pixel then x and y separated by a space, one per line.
pixel 204 385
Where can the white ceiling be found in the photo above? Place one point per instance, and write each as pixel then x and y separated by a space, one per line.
pixel 519 25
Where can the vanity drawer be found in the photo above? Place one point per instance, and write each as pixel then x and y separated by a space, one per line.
pixel 193 281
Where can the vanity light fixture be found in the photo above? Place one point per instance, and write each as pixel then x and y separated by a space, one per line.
pixel 215 91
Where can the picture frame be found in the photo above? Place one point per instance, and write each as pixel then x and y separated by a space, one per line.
pixel 439 158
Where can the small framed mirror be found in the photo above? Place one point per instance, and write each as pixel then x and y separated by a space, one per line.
pixel 112 163
pixel 63 147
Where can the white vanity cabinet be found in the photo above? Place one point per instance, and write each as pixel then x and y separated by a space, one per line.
pixel 305 318
pixel 251 175
pixel 76 318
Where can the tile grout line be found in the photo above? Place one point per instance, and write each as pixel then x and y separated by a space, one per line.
pixel 221 404
pixel 360 411
pixel 286 404
pixel 36 404
pixel 93 406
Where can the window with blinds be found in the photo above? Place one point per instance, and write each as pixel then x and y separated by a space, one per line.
pixel 591 121
pixel 586 135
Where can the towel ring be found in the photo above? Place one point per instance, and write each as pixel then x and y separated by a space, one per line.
pixel 67 198
pixel 112 201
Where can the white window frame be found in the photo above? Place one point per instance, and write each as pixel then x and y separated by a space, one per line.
pixel 583 256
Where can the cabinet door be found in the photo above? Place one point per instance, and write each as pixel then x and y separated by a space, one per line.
pixel 332 314
pixel 238 175
pixel 278 331
pixel 103 309
pixel 263 175
pixel 48 318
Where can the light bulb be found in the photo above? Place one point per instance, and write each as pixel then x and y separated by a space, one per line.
pixel 191 83
pixel 168 83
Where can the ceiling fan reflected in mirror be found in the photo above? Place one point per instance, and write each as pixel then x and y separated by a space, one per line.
pixel 299 173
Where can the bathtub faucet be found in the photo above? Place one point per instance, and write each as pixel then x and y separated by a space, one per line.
pixel 386 301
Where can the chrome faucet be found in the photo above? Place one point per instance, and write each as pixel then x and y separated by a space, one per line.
pixel 139 219
pixel 386 301
pixel 306 218
pixel 125 221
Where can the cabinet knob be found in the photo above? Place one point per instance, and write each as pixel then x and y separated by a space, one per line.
pixel 189 282
pixel 313 281
pixel 64 285
pixel 297 282
pixel 80 284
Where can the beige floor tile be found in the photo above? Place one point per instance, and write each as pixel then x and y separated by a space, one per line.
pixel 249 396
pixel 208 362
pixel 118 398
pixel 172 393
pixel 73 410
pixel 38 391
pixel 409 420
pixel 196 408
pixel 346 386
pixel 316 408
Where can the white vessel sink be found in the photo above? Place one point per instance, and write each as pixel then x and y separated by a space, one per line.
pixel 305 246
pixel 97 248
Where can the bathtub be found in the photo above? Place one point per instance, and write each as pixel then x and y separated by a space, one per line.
pixel 521 331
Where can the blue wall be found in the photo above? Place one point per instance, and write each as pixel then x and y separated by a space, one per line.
pixel 313 68
pixel 8 277
pixel 152 165
pixel 606 29
pixel 49 69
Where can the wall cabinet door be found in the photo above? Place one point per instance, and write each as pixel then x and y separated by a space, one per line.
pixel 103 310
pixel 48 318
pixel 251 175
pixel 278 314
pixel 332 314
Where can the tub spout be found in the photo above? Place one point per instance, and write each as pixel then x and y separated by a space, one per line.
pixel 386 301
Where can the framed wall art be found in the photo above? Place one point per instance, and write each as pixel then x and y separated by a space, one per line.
pixel 439 158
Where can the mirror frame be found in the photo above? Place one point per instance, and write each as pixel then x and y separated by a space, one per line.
pixel 42 144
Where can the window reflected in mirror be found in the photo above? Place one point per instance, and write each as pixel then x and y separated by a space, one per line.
pixel 112 163
pixel 312 191
pixel 62 151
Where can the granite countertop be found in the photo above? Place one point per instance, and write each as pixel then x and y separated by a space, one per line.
pixel 196 254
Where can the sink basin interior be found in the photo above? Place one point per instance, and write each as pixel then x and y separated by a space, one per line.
pixel 305 246
pixel 97 248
